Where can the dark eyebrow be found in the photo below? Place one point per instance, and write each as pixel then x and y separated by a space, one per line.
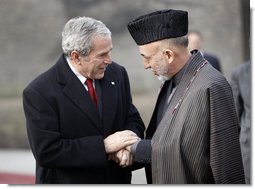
pixel 144 56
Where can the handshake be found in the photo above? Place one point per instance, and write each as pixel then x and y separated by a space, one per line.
pixel 118 147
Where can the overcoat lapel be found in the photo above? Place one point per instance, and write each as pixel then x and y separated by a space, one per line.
pixel 81 98
pixel 109 86
pixel 76 92
pixel 184 82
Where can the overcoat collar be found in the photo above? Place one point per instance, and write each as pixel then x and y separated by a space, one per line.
pixel 183 78
pixel 190 67
pixel 76 92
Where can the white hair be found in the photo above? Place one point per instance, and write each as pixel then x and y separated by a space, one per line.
pixel 79 32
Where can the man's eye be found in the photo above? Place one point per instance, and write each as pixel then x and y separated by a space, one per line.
pixel 103 55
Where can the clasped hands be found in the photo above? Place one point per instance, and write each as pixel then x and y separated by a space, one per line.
pixel 118 147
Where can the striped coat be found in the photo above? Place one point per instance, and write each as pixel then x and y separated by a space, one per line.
pixel 197 142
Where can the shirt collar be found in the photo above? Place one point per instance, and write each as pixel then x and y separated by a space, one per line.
pixel 80 77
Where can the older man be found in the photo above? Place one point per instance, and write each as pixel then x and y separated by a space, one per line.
pixel 193 133
pixel 79 113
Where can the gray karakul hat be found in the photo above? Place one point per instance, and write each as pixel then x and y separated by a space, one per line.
pixel 159 25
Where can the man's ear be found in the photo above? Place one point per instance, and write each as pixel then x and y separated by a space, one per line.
pixel 169 55
pixel 75 57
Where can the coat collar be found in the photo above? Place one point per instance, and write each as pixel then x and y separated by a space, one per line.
pixel 80 97
pixel 194 61
pixel 76 92
pixel 185 75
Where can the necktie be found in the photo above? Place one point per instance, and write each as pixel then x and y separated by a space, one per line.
pixel 91 90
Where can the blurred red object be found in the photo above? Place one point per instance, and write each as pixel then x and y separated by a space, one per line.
pixel 15 178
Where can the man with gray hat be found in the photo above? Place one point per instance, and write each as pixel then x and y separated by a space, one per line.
pixel 193 133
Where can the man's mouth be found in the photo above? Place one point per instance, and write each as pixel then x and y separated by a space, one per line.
pixel 154 72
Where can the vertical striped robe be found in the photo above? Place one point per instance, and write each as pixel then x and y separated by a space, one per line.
pixel 198 143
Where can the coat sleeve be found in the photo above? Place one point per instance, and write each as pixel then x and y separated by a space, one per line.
pixel 48 147
pixel 225 153
pixel 142 151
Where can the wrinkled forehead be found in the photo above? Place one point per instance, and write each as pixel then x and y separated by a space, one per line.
pixel 150 48
pixel 102 42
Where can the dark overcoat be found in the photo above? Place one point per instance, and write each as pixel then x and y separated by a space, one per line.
pixel 66 131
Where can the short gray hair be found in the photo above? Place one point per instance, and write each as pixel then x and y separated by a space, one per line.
pixel 79 32
pixel 178 41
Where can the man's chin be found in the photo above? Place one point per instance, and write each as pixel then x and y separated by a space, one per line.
pixel 99 75
pixel 163 78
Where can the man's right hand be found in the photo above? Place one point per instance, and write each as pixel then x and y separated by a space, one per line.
pixel 119 140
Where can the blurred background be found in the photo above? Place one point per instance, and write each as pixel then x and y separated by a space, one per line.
pixel 30 38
